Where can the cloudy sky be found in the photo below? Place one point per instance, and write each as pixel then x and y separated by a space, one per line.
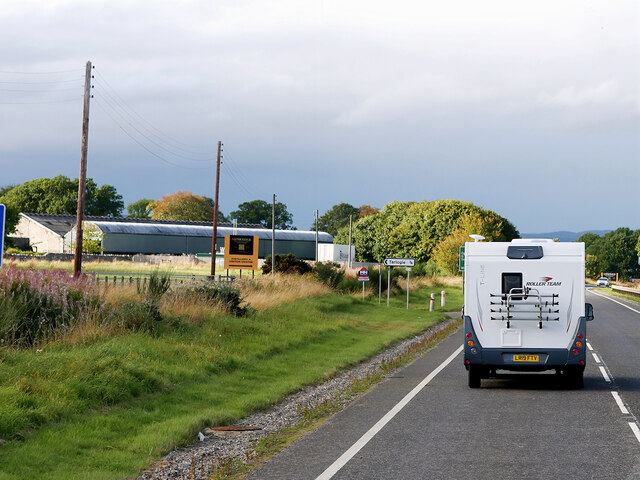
pixel 531 109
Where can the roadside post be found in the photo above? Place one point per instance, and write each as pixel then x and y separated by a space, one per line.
pixel 2 218
pixel 432 301
pixel 363 276
pixel 379 283
pixel 398 262
pixel 442 298
pixel 388 284
pixel 408 284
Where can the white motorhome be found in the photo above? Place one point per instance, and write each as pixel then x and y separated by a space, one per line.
pixel 524 308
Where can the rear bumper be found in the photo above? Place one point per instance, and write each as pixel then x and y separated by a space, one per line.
pixel 503 358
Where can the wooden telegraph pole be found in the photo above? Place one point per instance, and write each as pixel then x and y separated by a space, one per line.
pixel 273 236
pixel 215 215
pixel 82 179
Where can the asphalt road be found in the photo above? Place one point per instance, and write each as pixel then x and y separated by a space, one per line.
pixel 524 426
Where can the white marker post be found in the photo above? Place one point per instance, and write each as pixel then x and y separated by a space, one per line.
pixel 442 298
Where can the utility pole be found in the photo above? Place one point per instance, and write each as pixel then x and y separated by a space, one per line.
pixel 316 235
pixel 214 238
pixel 273 236
pixel 82 179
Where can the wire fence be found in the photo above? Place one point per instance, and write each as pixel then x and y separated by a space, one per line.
pixel 123 279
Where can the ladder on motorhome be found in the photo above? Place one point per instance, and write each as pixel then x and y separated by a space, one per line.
pixel 524 304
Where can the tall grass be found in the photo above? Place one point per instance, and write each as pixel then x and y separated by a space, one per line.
pixel 38 305
pixel 272 290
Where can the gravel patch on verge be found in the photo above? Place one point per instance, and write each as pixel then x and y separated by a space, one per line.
pixel 214 448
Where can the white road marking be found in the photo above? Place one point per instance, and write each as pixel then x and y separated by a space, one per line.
pixel 616 395
pixel 615 301
pixel 635 430
pixel 364 439
pixel 621 406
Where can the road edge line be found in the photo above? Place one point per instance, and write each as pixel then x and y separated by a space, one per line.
pixel 373 431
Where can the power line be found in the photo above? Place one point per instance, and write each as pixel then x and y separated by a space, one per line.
pixel 247 185
pixel 75 99
pixel 38 73
pixel 150 128
pixel 142 145
pixel 41 82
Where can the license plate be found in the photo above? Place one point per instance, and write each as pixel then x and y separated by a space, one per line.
pixel 526 358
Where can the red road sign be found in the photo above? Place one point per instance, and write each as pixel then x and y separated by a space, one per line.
pixel 363 274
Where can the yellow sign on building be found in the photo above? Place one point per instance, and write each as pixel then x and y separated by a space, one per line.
pixel 241 251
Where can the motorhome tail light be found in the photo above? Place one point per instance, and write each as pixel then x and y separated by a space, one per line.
pixel 470 343
pixel 467 361
pixel 580 336
pixel 469 335
pixel 575 351
pixel 581 362
pixel 578 344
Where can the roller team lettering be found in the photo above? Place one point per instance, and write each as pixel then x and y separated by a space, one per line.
pixel 544 282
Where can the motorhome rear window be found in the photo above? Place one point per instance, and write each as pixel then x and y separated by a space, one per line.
pixel 521 252
pixel 509 281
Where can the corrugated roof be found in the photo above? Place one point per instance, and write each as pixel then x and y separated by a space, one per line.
pixel 206 231
pixel 61 224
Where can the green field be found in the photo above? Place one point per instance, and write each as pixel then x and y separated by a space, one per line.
pixel 108 406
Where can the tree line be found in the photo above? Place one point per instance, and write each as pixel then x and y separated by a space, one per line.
pixel 430 232
pixel 614 252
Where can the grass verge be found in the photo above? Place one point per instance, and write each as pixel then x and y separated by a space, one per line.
pixel 105 407
pixel 626 296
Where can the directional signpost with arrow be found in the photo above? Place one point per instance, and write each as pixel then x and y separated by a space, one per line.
pixel 398 262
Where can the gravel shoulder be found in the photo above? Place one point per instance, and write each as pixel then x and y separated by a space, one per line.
pixel 214 448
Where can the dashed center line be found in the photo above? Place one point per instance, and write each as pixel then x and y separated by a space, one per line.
pixel 616 396
pixel 621 406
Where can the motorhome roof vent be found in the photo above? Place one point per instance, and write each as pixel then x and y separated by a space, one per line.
pixel 522 252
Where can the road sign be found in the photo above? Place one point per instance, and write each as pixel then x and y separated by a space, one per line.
pixel 363 274
pixel 399 262
pixel 461 259
pixel 241 251
pixel 2 215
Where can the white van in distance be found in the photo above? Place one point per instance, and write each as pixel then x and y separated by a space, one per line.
pixel 524 309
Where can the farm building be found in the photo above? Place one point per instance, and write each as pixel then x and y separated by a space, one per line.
pixel 56 233
pixel 177 239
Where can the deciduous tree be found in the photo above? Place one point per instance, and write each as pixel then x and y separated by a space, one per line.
pixel 412 229
pixel 259 212
pixel 58 195
pixel 184 206
pixel 140 208
pixel 336 217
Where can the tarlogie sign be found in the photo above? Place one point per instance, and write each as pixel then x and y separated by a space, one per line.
pixel 399 262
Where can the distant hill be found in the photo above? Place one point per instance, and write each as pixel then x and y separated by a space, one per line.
pixel 563 236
